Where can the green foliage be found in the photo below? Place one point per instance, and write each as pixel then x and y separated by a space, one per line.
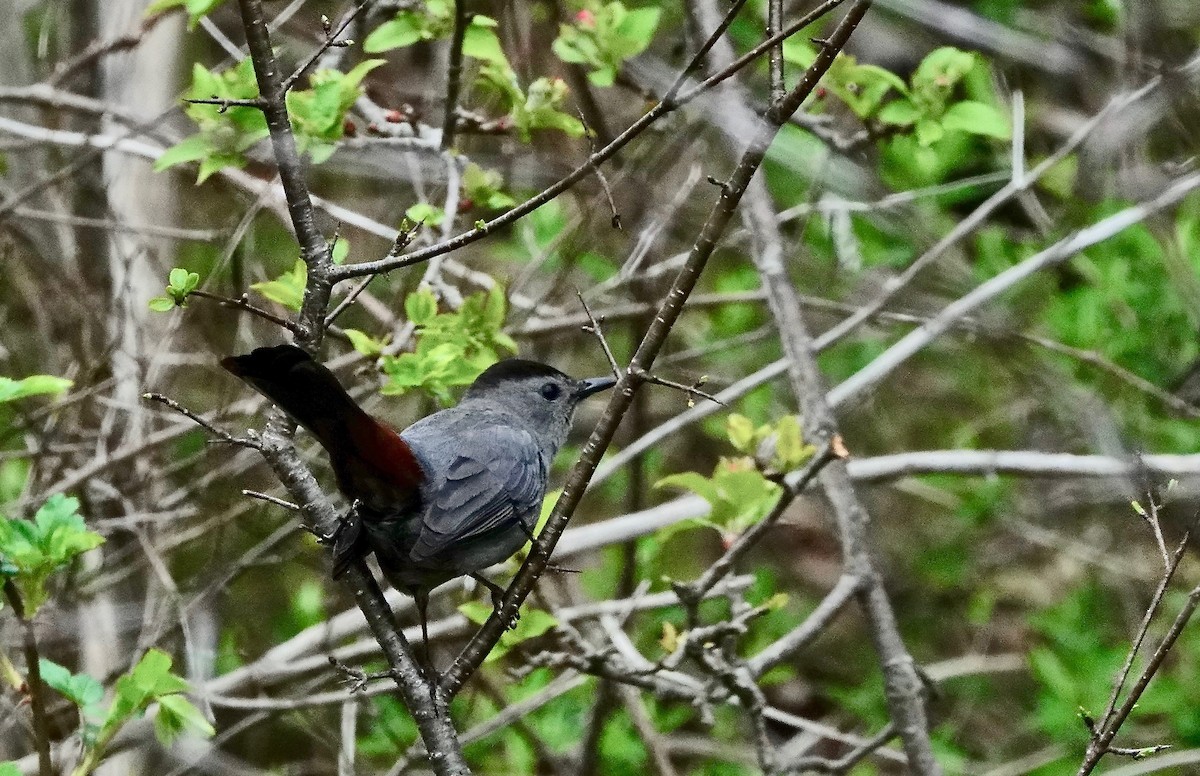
pixel 604 35
pixel 34 385
pixel 149 682
pixel 80 689
pixel 366 344
pixel 925 106
pixel 196 9
pixel 31 551
pixel 739 490
pixel 425 214
pixel 453 348
pixel 484 188
pixel 180 283
pixel 227 131
pixel 288 288
pixel 391 729
pixel 533 623
pixel 778 449
pixel 318 114
pixel 526 110
pixel 10 769
pixel 225 134
pixel 537 108
pixel 434 20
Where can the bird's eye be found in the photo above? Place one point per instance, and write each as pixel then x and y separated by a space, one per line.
pixel 551 391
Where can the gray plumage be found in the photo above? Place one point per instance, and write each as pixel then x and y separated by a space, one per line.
pixel 486 466
pixel 452 494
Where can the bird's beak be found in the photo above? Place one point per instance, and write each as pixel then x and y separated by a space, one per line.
pixel 594 385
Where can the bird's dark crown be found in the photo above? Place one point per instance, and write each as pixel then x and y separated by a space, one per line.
pixel 512 369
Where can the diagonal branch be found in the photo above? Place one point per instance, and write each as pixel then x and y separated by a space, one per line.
pixel 436 729
pixel 668 313
pixel 674 98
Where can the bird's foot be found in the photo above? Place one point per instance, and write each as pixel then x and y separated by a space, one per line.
pixel 497 600
pixel 347 541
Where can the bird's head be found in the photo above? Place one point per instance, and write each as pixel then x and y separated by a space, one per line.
pixel 540 396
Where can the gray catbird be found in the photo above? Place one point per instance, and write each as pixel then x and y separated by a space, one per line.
pixel 452 494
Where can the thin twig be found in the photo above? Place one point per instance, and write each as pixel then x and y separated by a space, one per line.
pixel 242 303
pixel 331 40
pixel 1104 732
pixel 37 701
pixel 199 420
pixel 279 502
pixel 454 74
pixel 594 329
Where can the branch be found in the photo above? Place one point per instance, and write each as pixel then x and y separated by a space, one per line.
pixel 1104 733
pixel 313 247
pixel 454 73
pixel 672 100
pixel 884 364
pixel 331 40
pixel 203 422
pixel 437 730
pixel 37 701
pixel 668 313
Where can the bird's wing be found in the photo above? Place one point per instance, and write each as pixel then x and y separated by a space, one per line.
pixel 493 477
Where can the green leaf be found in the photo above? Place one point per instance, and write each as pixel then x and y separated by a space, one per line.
pixel 977 118
pixel 799 52
pixel 693 481
pixel 790 450
pixel 34 385
pixel 189 149
pixel 365 343
pixel 480 42
pixel 929 132
pixel 288 288
pixel 741 433
pixel 406 29
pixel 196 9
pixel 453 348
pixel 341 249
pixel 899 112
pixel 81 689
pixel 162 304
pixel 483 187
pixel 10 769
pixel 31 551
pixel 605 38
pixel 420 307
pixel 634 32
pixel 176 714
pixel 178 278
pixel 424 213
pixel 533 623
pixel 540 110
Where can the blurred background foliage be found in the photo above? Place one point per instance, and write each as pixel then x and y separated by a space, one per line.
pixel 911 131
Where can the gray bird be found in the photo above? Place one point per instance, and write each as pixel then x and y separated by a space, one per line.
pixel 452 494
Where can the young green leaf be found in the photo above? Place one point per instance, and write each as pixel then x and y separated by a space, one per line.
pixel 365 343
pixel 288 288
pixel 31 551
pixel 34 385
pixel 424 213
pixel 977 118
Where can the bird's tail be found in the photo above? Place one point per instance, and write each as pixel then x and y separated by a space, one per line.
pixel 303 388
pixel 372 462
